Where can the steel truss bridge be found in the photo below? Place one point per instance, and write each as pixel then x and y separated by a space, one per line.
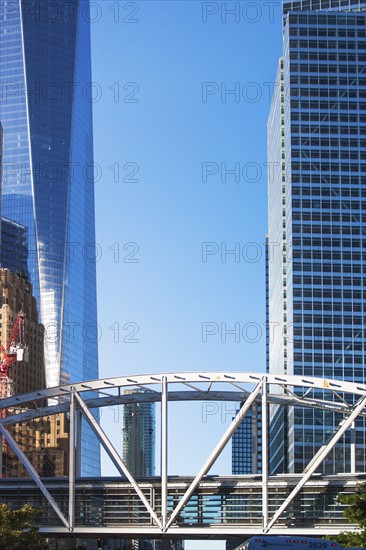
pixel 181 507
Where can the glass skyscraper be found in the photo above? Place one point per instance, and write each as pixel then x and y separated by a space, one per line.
pixel 48 184
pixel 317 219
pixel 138 437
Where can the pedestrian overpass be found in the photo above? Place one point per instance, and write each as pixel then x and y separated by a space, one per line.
pixel 220 507
pixel 203 506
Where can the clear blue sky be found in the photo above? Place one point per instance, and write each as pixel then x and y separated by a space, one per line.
pixel 166 124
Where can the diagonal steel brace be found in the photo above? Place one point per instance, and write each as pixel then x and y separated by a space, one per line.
pixel 32 472
pixel 319 457
pixel 113 454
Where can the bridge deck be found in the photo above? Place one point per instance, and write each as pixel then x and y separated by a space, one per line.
pixel 220 507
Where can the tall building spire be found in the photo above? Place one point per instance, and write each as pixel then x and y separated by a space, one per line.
pixel 48 187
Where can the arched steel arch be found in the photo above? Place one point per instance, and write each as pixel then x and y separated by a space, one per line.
pixel 80 398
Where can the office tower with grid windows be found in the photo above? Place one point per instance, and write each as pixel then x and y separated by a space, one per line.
pixel 48 185
pixel 317 219
pixel 246 454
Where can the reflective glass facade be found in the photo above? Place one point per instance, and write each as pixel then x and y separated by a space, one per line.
pixel 138 437
pixel 317 220
pixel 14 247
pixel 45 110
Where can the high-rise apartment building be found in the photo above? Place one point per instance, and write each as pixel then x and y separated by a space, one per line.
pixel 138 453
pixel 138 437
pixel 317 219
pixel 48 184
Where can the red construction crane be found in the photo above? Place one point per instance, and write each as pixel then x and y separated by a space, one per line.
pixel 15 351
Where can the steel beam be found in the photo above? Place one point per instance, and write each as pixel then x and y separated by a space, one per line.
pixel 116 459
pixel 215 453
pixel 164 451
pixel 204 533
pixel 100 402
pixel 188 378
pixel 32 472
pixel 319 457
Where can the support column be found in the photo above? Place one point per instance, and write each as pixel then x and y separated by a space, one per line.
pixel 264 453
pixel 353 448
pixel 164 451
pixel 72 461
pixel 78 419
